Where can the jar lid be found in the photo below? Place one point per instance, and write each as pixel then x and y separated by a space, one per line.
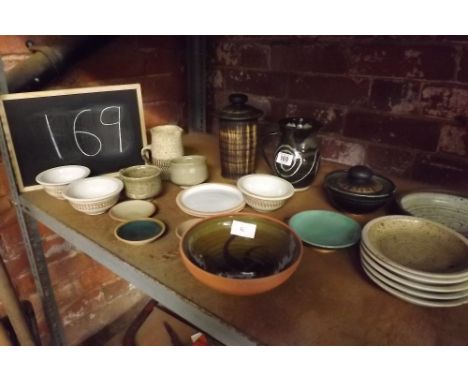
pixel 238 110
pixel 359 180
pixel 300 123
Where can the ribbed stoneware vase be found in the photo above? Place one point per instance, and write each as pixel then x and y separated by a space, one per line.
pixel 238 137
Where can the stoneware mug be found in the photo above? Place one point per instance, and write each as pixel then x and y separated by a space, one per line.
pixel 188 170
pixel 142 181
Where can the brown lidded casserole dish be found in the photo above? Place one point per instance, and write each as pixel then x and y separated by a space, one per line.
pixel 358 190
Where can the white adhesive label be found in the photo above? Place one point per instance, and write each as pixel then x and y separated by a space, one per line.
pixel 243 229
pixel 284 158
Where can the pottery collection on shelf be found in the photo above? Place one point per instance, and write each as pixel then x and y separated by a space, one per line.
pixel 420 256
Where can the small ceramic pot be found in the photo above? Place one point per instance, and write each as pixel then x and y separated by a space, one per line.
pixel 142 181
pixel 358 190
pixel 188 170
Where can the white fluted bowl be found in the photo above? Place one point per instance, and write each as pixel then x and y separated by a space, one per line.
pixel 264 192
pixel 95 195
pixel 55 180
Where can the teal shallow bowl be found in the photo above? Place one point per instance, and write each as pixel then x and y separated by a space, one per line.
pixel 326 229
pixel 140 231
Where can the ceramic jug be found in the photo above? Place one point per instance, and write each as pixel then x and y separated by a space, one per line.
pixel 166 144
pixel 297 156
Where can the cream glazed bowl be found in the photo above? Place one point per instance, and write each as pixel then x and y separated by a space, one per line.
pixel 95 195
pixel 55 180
pixel 264 192
pixel 188 170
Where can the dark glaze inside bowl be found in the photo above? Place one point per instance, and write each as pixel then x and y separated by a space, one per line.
pixel 210 246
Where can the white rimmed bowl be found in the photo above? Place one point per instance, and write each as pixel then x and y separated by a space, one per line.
pixel 265 192
pixel 95 195
pixel 209 199
pixel 55 180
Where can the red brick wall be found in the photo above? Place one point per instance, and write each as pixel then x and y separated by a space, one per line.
pixel 88 295
pixel 397 104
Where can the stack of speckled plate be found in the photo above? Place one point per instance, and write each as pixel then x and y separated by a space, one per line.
pixel 417 260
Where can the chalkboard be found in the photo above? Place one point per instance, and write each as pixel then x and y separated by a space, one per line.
pixel 101 128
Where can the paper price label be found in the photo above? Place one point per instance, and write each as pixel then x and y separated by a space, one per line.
pixel 243 229
pixel 284 158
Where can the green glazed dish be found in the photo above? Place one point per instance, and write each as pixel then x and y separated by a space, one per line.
pixel 326 229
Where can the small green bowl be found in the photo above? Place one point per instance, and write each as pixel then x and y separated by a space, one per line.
pixel 326 229
pixel 140 231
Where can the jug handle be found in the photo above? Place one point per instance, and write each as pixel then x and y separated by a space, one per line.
pixel 146 154
pixel 264 140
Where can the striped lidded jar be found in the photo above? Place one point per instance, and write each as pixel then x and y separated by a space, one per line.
pixel 238 137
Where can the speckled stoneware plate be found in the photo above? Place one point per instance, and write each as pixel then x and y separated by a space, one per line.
pixel 450 210
pixel 417 246
pixel 325 229
pixel 140 231
pixel 413 292
pixel 423 286
pixel 131 210
pixel 415 300
pixel 426 279
pixel 410 290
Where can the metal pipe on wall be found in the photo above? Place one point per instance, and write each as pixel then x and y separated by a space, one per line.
pixel 196 48
pixel 47 62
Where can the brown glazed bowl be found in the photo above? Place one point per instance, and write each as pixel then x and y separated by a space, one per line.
pixel 239 265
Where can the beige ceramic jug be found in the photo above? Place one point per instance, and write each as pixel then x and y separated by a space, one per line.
pixel 166 144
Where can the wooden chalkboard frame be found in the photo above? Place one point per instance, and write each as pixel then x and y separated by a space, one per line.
pixel 61 92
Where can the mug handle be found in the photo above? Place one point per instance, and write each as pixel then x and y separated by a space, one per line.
pixel 146 154
pixel 264 140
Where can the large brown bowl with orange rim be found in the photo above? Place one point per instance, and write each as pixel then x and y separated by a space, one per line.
pixel 239 265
